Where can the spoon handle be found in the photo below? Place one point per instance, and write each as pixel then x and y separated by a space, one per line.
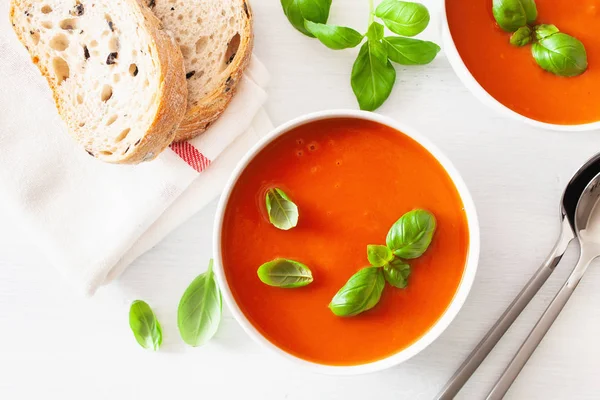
pixel 540 329
pixel 490 340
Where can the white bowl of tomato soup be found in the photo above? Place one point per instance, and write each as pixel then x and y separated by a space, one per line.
pixel 507 78
pixel 352 174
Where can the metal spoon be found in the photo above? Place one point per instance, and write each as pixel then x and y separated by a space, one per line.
pixel 568 204
pixel 587 228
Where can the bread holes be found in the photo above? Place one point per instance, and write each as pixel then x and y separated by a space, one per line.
pixel 79 98
pixel 201 44
pixel 35 37
pixel 122 135
pixel 81 124
pixel 232 48
pixel 116 78
pixel 68 24
pixel 185 51
pixel 199 21
pixel 106 153
pixel 111 120
pixel 133 70
pixel 60 42
pixel 106 93
pixel 180 17
pixel 47 24
pixel 61 69
pixel 146 83
pixel 46 9
pixel 93 43
pixel 113 44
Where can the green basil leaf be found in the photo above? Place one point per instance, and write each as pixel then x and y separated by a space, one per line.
pixel 283 213
pixel 408 51
pixel 521 37
pixel 297 11
pixel 411 235
pixel 375 31
pixel 513 14
pixel 403 17
pixel 285 273
pixel 334 37
pixel 200 309
pixel 379 255
pixel 396 273
pixel 560 54
pixel 544 30
pixel 361 293
pixel 373 76
pixel 145 325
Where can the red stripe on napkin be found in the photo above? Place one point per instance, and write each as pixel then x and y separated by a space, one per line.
pixel 190 155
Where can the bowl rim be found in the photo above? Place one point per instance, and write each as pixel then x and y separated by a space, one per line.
pixel 463 73
pixel 440 325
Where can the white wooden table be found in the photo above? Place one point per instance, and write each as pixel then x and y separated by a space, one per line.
pixel 54 344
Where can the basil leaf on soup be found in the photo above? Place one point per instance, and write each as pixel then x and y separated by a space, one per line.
pixel 145 325
pixel 200 308
pixel 285 273
pixel 544 30
pixel 334 37
pixel 521 37
pixel 513 14
pixel 373 75
pixel 396 273
pixel 379 255
pixel 283 213
pixel 297 11
pixel 411 235
pixel 361 293
pixel 403 17
pixel 408 51
pixel 560 54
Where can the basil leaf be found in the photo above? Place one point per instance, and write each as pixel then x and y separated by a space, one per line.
pixel 403 17
pixel 285 273
pixel 334 37
pixel 513 14
pixel 396 273
pixel 200 309
pixel 375 31
pixel 283 213
pixel 373 75
pixel 408 51
pixel 411 235
pixel 361 293
pixel 379 255
pixel 297 11
pixel 544 30
pixel 560 54
pixel 521 37
pixel 145 325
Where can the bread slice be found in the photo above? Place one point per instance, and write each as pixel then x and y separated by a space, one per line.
pixel 216 41
pixel 117 77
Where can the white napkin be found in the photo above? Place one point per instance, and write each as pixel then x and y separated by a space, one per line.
pixel 93 219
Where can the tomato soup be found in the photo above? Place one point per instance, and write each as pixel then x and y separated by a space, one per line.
pixel 351 180
pixel 511 75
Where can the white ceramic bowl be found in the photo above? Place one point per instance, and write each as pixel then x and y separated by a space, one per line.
pixel 469 81
pixel 459 297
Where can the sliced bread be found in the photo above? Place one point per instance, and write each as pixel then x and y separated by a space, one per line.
pixel 216 40
pixel 117 77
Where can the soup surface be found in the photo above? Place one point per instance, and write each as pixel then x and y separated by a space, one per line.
pixel 351 180
pixel 511 75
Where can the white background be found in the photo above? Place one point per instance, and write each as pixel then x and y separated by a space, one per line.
pixel 55 344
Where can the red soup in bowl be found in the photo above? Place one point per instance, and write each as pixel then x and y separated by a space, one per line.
pixel 351 179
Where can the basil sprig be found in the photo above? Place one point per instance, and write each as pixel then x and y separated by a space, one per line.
pixel 373 75
pixel 285 273
pixel 283 212
pixel 145 325
pixel 200 309
pixel 552 50
pixel 408 238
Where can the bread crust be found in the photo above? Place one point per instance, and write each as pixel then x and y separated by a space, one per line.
pixel 171 98
pixel 201 116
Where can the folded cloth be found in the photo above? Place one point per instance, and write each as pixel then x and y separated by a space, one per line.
pixel 93 219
